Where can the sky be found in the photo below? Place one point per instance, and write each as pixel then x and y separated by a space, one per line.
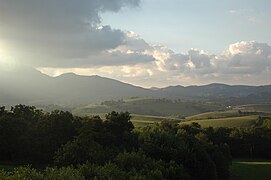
pixel 150 43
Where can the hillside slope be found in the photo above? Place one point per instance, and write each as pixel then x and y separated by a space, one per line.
pixel 29 86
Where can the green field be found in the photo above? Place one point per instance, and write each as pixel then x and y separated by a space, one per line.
pixel 91 110
pixel 214 119
pixel 257 107
pixel 147 111
pixel 151 118
pixel 7 167
pixel 214 115
pixel 149 106
pixel 142 120
pixel 244 121
pixel 251 170
pixel 238 121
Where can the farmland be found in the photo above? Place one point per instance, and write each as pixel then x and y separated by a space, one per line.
pixel 244 121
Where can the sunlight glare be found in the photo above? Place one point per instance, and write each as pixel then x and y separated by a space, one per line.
pixel 6 62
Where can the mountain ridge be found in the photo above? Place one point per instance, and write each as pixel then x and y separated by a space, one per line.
pixel 30 86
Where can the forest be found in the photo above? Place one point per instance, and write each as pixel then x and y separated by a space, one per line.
pixel 59 145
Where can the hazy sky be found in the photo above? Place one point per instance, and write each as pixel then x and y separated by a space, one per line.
pixel 147 42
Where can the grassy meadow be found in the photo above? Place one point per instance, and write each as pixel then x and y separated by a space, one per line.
pixel 142 120
pixel 147 111
pixel 214 115
pixel 257 107
pixel 149 106
pixel 244 121
pixel 247 169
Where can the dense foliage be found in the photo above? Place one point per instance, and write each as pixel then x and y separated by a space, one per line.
pixel 89 147
pixel 29 135
pixel 244 142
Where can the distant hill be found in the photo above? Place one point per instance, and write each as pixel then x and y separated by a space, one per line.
pixel 150 106
pixel 215 91
pixel 29 86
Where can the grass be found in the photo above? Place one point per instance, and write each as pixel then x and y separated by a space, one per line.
pixel 142 120
pixel 137 99
pixel 244 121
pixel 149 106
pixel 7 168
pixel 10 166
pixel 142 123
pixel 258 107
pixel 146 111
pixel 247 169
pixel 139 120
pixel 152 118
pixel 91 110
pixel 214 115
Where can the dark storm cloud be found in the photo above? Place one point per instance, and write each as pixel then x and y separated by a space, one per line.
pixel 58 30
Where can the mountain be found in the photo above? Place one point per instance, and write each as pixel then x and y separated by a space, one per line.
pixel 72 88
pixel 28 86
pixel 214 91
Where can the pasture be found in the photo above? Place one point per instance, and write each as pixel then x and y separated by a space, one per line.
pixel 244 121
pixel 249 169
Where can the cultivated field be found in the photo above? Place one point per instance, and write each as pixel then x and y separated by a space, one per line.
pixel 143 120
pixel 243 121
pixel 214 115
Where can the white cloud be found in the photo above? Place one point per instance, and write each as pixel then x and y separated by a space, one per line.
pixel 245 62
pixel 64 35
pixel 249 15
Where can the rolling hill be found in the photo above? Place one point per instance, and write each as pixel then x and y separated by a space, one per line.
pixel 215 91
pixel 29 86
pixel 244 121
pixel 150 106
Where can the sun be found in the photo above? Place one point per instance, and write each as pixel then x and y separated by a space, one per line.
pixel 2 59
pixel 6 61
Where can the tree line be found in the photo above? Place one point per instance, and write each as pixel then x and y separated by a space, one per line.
pixel 63 146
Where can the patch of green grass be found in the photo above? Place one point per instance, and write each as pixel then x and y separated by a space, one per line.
pixel 137 99
pixel 7 167
pixel 143 120
pixel 91 110
pixel 152 118
pixel 251 169
pixel 214 115
pixel 244 121
pixel 142 123
pixel 258 107
pixel 149 106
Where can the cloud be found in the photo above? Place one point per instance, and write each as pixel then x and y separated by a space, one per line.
pixel 249 15
pixel 65 35
pixel 240 61
pixel 245 62
pixel 44 33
